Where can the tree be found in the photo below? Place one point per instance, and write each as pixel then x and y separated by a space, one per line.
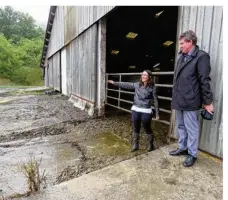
pixel 21 42
pixel 16 25
pixel 30 51
pixel 9 57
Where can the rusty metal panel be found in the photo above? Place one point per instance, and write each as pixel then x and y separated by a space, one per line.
pixel 207 22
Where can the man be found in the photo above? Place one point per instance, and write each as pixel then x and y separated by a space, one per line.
pixel 191 89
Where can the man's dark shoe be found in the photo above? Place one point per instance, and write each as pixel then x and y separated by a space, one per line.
pixel 178 152
pixel 190 160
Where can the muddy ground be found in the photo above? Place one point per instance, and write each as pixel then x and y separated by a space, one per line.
pixel 69 142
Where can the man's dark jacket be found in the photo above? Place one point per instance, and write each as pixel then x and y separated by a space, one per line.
pixel 192 82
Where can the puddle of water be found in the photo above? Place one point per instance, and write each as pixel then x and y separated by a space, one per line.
pixel 56 155
pixel 99 146
pixel 92 145
pixel 107 143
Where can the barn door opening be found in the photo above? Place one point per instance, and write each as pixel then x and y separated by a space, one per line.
pixel 140 38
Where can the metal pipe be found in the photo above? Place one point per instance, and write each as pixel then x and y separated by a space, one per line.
pixel 138 73
pixel 157 85
pixel 120 99
pixel 118 108
pixel 119 91
pixel 164 110
pixel 112 90
pixel 130 102
pixel 106 91
pixel 162 121
pixel 126 92
pixel 122 91
pixel 165 98
pixel 164 85
pixel 163 73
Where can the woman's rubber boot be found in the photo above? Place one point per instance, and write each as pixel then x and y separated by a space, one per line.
pixel 135 142
pixel 150 142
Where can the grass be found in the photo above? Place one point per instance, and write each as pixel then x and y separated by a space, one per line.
pixel 15 86
pixel 6 83
pixel 35 92
pixel 36 180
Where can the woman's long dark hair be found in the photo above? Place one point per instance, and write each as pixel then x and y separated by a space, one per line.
pixel 150 81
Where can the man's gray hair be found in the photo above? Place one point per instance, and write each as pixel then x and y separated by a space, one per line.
pixel 189 35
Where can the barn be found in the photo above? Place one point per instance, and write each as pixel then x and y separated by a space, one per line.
pixel 86 45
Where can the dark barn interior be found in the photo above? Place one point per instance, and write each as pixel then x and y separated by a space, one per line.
pixel 138 38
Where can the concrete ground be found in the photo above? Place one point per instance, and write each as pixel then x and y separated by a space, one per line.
pixel 69 142
pixel 154 176
pixel 29 109
pixel 72 145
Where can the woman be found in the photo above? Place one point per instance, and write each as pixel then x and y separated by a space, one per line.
pixel 145 93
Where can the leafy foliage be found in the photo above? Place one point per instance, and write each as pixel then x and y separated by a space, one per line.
pixel 16 25
pixel 21 43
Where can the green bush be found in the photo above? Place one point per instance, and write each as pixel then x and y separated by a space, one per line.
pixel 21 42
pixel 27 76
